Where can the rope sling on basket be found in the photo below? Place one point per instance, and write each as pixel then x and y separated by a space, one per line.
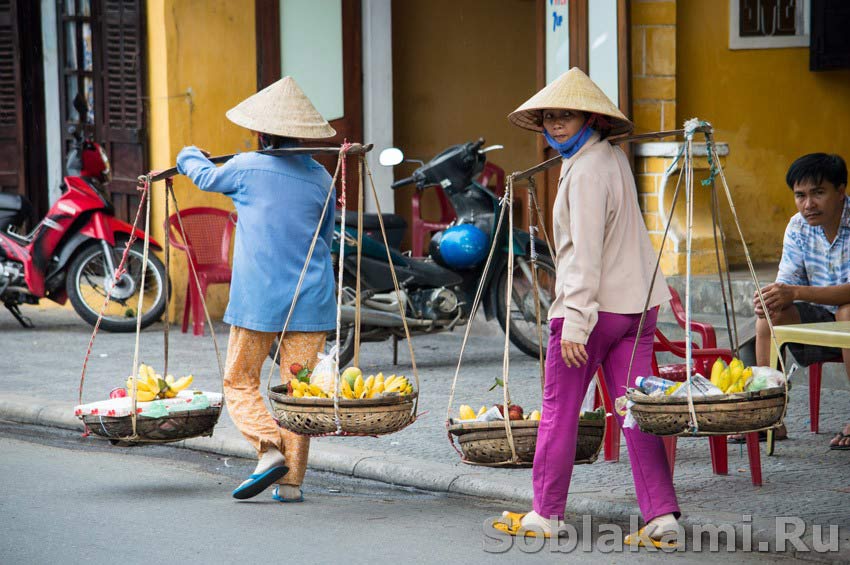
pixel 182 415
pixel 157 410
pixel 717 414
pixel 326 402
pixel 511 442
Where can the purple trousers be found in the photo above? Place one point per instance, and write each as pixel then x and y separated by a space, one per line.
pixel 609 346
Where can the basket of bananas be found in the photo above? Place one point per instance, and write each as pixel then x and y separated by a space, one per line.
pixel 165 410
pixel 374 405
pixel 735 400
pixel 484 441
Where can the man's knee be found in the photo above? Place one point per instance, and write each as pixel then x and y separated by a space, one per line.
pixel 843 313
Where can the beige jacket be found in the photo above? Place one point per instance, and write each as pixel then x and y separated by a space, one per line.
pixel 603 256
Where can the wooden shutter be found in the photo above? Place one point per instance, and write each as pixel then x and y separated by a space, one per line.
pixel 11 132
pixel 120 118
pixel 830 39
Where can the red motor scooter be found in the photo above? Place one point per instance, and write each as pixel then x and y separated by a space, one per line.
pixel 73 252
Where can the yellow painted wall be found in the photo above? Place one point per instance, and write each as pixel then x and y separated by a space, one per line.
pixel 767 105
pixel 459 68
pixel 201 62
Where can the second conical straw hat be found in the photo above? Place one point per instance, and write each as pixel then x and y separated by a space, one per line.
pixel 281 109
pixel 573 90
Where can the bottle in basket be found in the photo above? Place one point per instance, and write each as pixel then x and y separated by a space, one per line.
pixel 648 385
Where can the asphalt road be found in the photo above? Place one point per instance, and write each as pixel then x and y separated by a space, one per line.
pixel 65 499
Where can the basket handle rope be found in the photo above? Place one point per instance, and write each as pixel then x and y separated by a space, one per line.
pixel 401 307
pixel 119 271
pixel 476 302
pixel 686 156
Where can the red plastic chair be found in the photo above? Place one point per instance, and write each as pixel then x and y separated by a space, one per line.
pixel 815 374
pixel 703 358
pixel 492 171
pixel 208 235
pixel 421 227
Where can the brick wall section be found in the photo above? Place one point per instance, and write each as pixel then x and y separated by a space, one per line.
pixel 653 64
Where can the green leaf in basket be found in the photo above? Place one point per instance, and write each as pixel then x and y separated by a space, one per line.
pixel 303 375
pixel 499 382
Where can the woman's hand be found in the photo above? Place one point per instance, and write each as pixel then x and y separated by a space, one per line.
pixel 574 354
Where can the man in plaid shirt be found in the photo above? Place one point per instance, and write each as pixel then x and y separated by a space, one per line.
pixel 813 283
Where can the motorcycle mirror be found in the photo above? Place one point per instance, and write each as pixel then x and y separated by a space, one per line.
pixel 391 157
pixel 490 148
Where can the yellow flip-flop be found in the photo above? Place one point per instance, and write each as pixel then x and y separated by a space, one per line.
pixel 515 527
pixel 639 540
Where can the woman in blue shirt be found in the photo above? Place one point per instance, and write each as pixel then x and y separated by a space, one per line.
pixel 279 201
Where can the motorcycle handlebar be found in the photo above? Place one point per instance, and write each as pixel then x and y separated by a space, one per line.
pixel 402 182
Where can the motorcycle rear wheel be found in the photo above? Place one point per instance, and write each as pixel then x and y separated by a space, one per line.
pixel 523 317
pixel 86 288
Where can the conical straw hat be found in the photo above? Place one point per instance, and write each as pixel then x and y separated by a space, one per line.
pixel 281 109
pixel 573 90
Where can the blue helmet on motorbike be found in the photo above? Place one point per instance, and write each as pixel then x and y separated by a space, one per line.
pixel 463 246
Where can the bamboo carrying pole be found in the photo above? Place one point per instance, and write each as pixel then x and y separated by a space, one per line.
pixel 355 149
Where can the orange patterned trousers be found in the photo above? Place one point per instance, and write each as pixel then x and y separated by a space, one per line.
pixel 247 350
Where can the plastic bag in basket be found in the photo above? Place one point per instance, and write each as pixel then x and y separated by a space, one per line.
pixel 325 372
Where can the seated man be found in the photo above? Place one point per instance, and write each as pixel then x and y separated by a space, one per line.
pixel 813 283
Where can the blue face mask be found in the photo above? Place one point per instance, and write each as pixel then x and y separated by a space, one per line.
pixel 571 146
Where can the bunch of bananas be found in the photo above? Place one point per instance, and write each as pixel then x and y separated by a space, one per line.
pixel 151 386
pixel 732 378
pixel 353 386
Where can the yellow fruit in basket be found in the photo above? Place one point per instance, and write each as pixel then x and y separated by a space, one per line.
pixel 408 389
pixel 358 386
pixel 376 389
pixel 535 416
pixel 296 393
pixel 466 412
pixel 314 390
pixel 350 375
pixel 345 390
pixel 716 370
pixel 182 383
pixel 142 395
pixel 481 410
pixel 369 383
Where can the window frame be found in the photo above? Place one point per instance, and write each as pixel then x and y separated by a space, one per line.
pixel 736 42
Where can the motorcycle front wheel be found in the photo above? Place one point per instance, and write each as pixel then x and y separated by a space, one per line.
pixel 89 279
pixel 523 315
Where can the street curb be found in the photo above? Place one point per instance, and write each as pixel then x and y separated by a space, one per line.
pixel 416 473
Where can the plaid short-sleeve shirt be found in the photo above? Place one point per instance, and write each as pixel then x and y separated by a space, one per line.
pixel 810 259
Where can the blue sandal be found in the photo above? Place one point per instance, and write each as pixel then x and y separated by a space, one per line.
pixel 259 482
pixel 279 498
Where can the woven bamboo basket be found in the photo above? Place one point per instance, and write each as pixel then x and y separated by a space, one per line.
pixel 315 416
pixel 174 427
pixel 486 443
pixel 720 415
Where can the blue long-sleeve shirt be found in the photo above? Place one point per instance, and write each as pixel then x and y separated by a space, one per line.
pixel 279 201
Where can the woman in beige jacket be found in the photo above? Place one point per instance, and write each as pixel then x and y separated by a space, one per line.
pixel 604 263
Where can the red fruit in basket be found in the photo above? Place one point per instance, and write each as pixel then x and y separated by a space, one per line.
pixel 295 368
pixel 117 392
pixel 514 412
pixel 501 408
pixel 289 387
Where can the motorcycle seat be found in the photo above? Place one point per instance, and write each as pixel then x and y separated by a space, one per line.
pixel 370 221
pixel 14 210
pixel 14 202
pixel 428 273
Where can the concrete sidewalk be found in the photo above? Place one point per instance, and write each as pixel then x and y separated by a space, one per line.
pixel 39 380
